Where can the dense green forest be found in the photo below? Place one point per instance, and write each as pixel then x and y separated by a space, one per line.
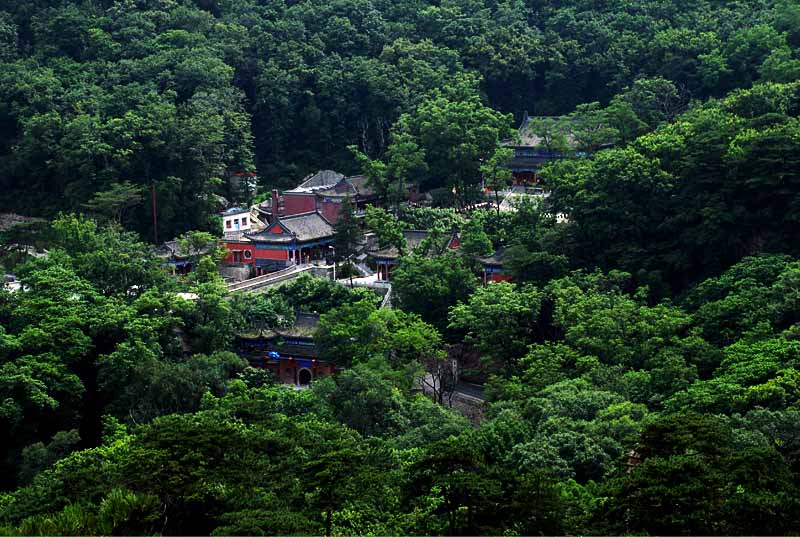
pixel 114 98
pixel 124 412
pixel 641 371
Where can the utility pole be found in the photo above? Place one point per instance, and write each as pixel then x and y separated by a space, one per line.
pixel 155 212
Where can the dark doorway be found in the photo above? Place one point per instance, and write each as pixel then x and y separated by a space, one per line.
pixel 304 377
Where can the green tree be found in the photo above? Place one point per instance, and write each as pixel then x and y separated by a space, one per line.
pixel 500 320
pixel 116 201
pixel 456 135
pixel 496 173
pixel 453 470
pixel 388 229
pixel 590 128
pixel 347 235
pixel 475 241
pixel 711 487
pixel 429 287
pixel 552 134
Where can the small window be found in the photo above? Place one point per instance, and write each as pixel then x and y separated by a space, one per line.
pixel 227 224
pixel 248 254
pixel 236 222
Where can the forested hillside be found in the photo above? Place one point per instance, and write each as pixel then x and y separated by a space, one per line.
pixel 113 98
pixel 638 371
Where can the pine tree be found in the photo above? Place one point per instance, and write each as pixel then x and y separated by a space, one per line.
pixel 346 235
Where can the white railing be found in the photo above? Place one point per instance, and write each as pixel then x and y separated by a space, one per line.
pixel 269 279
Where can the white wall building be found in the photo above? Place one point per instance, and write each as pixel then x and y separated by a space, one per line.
pixel 236 219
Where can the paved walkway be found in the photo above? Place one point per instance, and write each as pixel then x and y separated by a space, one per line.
pixel 268 280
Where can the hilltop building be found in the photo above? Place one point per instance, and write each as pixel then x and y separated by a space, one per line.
pixel 239 219
pixel 530 152
pixel 386 258
pixel 323 192
pixel 295 227
pixel 288 240
pixel 493 267
pixel 289 353
pixel 178 260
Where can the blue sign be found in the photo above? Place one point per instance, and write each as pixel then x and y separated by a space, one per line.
pixel 274 355
pixel 305 364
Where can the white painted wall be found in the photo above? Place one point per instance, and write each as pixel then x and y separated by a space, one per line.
pixel 236 222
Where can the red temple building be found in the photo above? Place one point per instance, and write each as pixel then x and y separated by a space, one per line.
pixel 493 269
pixel 295 227
pixel 289 240
pixel 289 353
pixel 530 154
pixel 323 192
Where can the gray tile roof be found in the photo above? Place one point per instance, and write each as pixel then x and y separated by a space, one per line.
pixel 414 239
pixel 234 236
pixel 348 186
pixel 496 259
pixel 529 139
pixel 321 179
pixel 9 220
pixel 173 249
pixel 302 227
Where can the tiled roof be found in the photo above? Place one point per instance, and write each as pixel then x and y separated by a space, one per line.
pixel 495 259
pixel 296 340
pixel 529 138
pixel 9 220
pixel 321 179
pixel 414 239
pixel 361 185
pixel 235 210
pixel 304 326
pixel 301 227
pixel 348 186
pixel 235 236
pixel 172 249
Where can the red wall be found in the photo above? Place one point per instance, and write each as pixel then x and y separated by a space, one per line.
pixel 270 254
pixel 236 247
pixel 298 203
pixel 330 211
pixel 257 253
pixel 286 370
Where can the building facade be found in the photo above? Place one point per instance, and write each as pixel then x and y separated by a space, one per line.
pixel 236 219
pixel 530 151
pixel 386 259
pixel 291 240
pixel 290 354
pixel 323 192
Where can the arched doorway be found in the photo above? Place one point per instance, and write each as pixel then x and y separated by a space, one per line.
pixel 304 377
